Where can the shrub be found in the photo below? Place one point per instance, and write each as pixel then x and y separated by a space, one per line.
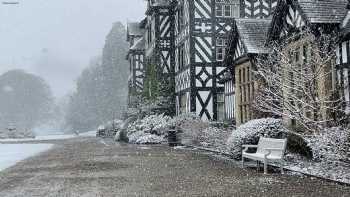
pixel 329 145
pixel 213 137
pixel 190 125
pixel 150 129
pixel 250 133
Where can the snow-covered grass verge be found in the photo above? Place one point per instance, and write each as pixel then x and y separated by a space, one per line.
pixel 42 138
pixel 10 154
pixel 88 134
pixel 335 171
pixel 17 134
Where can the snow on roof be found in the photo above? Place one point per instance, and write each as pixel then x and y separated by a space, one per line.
pixel 139 44
pixel 253 33
pixel 161 3
pixel 324 11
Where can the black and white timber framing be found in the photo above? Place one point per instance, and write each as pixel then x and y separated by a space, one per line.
pixel 199 33
pixel 135 56
pixel 250 9
pixel 159 37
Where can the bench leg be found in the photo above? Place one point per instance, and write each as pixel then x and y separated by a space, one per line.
pixel 242 162
pixel 257 165
pixel 265 166
pixel 282 164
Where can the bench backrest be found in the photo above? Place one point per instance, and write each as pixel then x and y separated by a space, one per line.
pixel 272 143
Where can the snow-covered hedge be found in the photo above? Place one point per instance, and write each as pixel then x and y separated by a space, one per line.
pixel 250 132
pixel 140 137
pixel 213 137
pixel 5 134
pixel 149 130
pixel 191 126
pixel 330 145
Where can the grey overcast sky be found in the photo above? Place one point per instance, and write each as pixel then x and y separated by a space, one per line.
pixel 57 38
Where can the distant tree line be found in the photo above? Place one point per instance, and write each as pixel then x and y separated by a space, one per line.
pixel 26 101
pixel 101 92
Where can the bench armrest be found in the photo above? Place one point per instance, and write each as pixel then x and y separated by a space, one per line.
pixel 246 146
pixel 249 146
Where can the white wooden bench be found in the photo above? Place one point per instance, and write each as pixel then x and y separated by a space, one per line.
pixel 268 150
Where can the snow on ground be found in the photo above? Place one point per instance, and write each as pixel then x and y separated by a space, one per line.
pixel 10 154
pixel 42 138
pixel 88 134
pixel 52 137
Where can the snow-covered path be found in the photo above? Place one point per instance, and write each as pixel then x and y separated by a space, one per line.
pixel 93 167
pixel 10 154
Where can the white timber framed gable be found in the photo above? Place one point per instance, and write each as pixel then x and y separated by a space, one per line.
pixel 258 8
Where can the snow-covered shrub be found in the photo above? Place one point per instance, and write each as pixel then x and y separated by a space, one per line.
pixel 190 125
pixel 330 145
pixel 213 137
pixel 141 137
pixel 250 132
pixel 150 124
pixel 151 129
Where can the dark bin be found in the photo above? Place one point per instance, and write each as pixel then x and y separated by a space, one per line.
pixel 172 138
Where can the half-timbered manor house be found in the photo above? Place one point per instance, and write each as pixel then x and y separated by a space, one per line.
pixel 201 33
pixel 135 56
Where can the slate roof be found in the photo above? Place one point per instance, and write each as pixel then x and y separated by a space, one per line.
pixel 134 29
pixel 253 34
pixel 139 44
pixel 324 11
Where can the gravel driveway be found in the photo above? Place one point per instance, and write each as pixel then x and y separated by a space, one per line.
pixel 91 167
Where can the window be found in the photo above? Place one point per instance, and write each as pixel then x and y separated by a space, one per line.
pixel 228 8
pixel 183 104
pixel 181 57
pixel 221 44
pixel 219 10
pixel 220 54
pixel 305 55
pixel 220 106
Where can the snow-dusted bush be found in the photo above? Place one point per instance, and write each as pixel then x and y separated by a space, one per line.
pixel 151 129
pixel 190 125
pixel 141 137
pixel 18 134
pixel 330 145
pixel 150 124
pixel 250 132
pixel 213 137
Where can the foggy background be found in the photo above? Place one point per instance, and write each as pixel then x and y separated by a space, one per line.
pixel 57 38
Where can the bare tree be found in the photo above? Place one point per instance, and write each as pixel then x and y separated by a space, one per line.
pixel 296 79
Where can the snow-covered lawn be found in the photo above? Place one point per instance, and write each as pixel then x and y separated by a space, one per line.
pixel 10 154
pixel 51 137
pixel 41 138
